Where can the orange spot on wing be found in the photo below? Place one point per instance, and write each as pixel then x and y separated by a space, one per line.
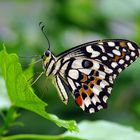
pixel 116 59
pixel 89 91
pixel 79 101
pixel 82 90
pixel 123 54
pixel 84 78
pixel 123 44
pixel 96 80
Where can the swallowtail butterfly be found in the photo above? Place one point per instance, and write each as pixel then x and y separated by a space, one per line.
pixel 88 71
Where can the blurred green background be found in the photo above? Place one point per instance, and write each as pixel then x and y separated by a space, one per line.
pixel 70 23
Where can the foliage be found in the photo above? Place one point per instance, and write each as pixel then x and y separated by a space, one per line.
pixel 104 130
pixel 98 130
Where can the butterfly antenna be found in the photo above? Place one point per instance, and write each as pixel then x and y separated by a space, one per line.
pixel 43 31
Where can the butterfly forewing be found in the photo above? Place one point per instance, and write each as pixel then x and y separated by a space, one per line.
pixel 90 70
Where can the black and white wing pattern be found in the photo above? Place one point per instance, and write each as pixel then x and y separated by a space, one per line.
pixel 90 69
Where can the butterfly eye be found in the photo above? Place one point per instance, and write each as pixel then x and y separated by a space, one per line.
pixel 47 53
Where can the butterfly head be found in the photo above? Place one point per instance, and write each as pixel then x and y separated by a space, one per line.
pixel 48 58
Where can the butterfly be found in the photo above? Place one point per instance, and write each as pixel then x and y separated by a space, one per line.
pixel 88 71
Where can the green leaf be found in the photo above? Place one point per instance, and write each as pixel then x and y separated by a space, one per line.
pixel 103 130
pixel 88 130
pixel 21 94
pixel 29 72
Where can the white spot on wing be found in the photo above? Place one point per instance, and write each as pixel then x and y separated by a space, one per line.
pixel 105 98
pixel 103 83
pixel 95 99
pixel 77 64
pixel 83 106
pixel 119 70
pixel 85 71
pixel 114 64
pixel 107 70
pixel 96 89
pixel 89 49
pixel 131 61
pixel 114 76
pixel 111 44
pixel 124 50
pixel 91 110
pixel 116 52
pixel 77 84
pixel 93 53
pixel 109 54
pixel 110 79
pixel 104 58
pixel 127 57
pixel 102 48
pixel 125 65
pixel 102 74
pixel 87 101
pixel 99 107
pixel 130 46
pixel 74 74
pixel 95 65
pixel 132 54
pixel 121 61
pixel 109 90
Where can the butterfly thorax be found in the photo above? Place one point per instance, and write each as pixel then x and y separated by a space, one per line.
pixel 49 61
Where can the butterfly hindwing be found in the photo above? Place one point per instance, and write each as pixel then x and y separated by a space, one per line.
pixel 91 86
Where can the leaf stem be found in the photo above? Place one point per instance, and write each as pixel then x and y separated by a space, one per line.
pixel 38 137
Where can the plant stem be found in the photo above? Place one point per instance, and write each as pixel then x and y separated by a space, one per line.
pixel 38 137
